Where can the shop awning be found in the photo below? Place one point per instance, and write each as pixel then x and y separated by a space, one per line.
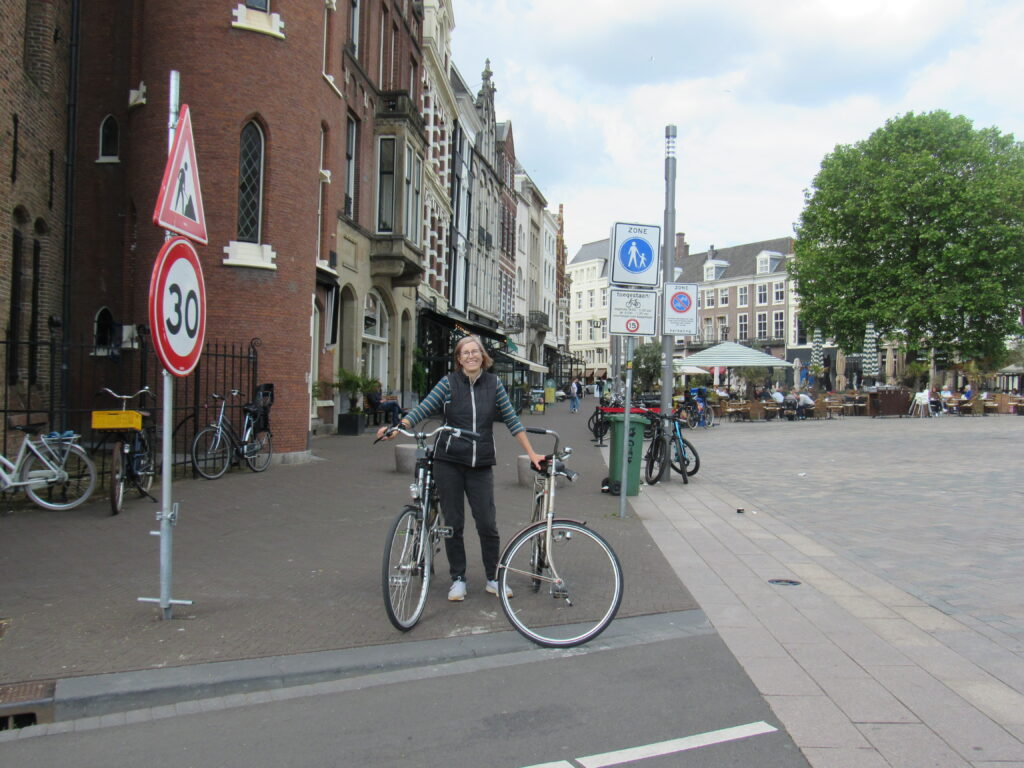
pixel 535 367
pixel 600 373
pixel 588 373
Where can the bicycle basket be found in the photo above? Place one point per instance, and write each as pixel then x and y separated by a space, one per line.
pixel 117 420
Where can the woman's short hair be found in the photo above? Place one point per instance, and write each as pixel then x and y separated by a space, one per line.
pixel 488 361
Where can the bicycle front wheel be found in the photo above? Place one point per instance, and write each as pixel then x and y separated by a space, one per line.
pixel 259 450
pixel 405 575
pixel 654 468
pixel 709 416
pixel 684 457
pixel 74 485
pixel 118 478
pixel 211 453
pixel 692 417
pixel 567 609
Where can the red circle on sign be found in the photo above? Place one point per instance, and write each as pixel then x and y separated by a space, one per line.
pixel 177 306
pixel 632 325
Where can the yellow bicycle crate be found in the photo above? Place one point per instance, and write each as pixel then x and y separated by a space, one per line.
pixel 117 420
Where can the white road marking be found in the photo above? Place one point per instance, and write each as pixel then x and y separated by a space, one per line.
pixel 675 745
pixel 662 748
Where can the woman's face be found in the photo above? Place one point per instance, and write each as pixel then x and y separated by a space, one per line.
pixel 471 357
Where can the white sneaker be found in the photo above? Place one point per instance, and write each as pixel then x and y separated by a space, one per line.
pixel 492 588
pixel 458 591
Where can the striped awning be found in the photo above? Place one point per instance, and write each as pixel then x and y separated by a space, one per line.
pixel 729 354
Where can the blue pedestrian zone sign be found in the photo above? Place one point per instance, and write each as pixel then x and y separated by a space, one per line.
pixel 635 254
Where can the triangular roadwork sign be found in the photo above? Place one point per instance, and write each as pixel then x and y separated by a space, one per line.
pixel 179 206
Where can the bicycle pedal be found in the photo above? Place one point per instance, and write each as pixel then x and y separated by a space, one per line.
pixel 445 531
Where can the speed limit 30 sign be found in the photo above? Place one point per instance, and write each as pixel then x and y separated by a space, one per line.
pixel 177 306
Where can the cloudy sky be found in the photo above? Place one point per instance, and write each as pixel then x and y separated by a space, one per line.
pixel 760 92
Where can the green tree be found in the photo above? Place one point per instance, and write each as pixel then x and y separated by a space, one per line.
pixel 646 366
pixel 920 230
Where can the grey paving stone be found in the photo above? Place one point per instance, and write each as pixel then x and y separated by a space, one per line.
pixel 911 746
pixel 814 721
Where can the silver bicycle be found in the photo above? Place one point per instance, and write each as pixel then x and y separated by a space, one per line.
pixel 560 583
pixel 53 470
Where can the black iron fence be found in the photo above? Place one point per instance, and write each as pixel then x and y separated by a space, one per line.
pixel 125 367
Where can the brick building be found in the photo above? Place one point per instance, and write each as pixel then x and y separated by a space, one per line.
pixel 35 67
pixel 307 127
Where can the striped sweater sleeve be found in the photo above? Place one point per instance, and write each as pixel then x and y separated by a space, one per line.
pixel 507 412
pixel 431 404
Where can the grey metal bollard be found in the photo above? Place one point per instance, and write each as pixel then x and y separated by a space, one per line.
pixel 405 458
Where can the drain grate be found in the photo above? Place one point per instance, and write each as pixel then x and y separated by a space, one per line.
pixel 784 582
pixel 24 704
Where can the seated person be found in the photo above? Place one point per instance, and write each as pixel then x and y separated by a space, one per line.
pixel 935 402
pixel 804 403
pixel 777 396
pixel 375 403
pixel 789 403
pixel 968 391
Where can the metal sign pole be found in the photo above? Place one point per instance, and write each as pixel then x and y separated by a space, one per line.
pixel 168 514
pixel 668 342
pixel 624 459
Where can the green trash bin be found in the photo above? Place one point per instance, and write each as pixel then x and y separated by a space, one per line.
pixel 634 451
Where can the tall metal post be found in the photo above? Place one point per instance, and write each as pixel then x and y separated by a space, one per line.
pixel 168 514
pixel 627 406
pixel 668 263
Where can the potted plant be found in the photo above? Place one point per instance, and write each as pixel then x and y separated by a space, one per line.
pixel 352 421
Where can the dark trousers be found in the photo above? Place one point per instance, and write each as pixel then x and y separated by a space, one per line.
pixel 455 483
pixel 392 409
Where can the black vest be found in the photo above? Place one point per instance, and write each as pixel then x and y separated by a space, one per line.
pixel 473 407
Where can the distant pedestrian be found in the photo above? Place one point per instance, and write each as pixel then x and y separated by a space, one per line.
pixel 575 390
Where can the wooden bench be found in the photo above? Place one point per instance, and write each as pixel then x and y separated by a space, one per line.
pixel 736 409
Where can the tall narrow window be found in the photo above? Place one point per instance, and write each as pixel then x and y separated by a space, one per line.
pixel 324 178
pixel 351 144
pixel 382 54
pixel 33 320
pixel 110 138
pixel 14 149
pixel 386 191
pixel 250 184
pixel 353 29
pixel 14 318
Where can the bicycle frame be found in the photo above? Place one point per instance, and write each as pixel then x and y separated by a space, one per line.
pixel 10 472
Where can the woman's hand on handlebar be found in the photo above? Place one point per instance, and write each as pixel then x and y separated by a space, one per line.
pixel 388 432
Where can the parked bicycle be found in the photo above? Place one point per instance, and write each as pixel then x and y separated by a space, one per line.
pixel 560 583
pixel 217 446
pixel 668 448
pixel 133 454
pixel 697 409
pixel 415 536
pixel 598 423
pixel 54 471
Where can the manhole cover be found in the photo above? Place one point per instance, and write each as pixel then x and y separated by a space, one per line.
pixel 784 582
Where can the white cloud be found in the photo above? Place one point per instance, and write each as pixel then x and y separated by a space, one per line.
pixel 760 94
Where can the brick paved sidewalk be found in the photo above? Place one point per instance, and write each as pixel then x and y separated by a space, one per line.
pixel 283 562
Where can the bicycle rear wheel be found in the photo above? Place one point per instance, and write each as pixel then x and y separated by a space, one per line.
pixel 405 573
pixel 572 609
pixel 692 417
pixel 118 478
pixel 73 488
pixel 259 450
pixel 145 461
pixel 686 459
pixel 211 453
pixel 654 468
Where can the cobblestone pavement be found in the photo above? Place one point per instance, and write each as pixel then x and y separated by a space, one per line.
pixel 283 562
pixel 897 635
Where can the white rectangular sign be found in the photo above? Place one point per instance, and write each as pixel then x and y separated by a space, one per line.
pixel 636 254
pixel 632 313
pixel 680 309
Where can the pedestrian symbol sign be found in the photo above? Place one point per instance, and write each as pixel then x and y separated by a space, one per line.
pixel 635 250
pixel 179 206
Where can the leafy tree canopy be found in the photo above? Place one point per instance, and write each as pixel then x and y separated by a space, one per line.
pixel 920 230
pixel 647 366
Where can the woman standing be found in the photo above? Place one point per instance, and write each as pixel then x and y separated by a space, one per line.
pixel 469 398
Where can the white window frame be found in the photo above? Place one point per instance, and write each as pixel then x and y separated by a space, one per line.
pixel 779 324
pixel 742 295
pixel 742 327
pixel 779 292
pixel 762 294
pixel 723 297
pixel 762 326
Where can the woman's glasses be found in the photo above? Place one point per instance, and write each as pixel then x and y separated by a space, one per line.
pixel 469 353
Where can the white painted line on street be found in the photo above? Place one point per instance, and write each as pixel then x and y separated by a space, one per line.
pixel 559 764
pixel 675 745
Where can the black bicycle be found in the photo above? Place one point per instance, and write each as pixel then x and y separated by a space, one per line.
pixel 668 448
pixel 133 455
pixel 216 446
pixel 415 536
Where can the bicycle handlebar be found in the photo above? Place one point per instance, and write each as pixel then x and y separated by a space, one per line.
pixel 456 432
pixel 112 393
